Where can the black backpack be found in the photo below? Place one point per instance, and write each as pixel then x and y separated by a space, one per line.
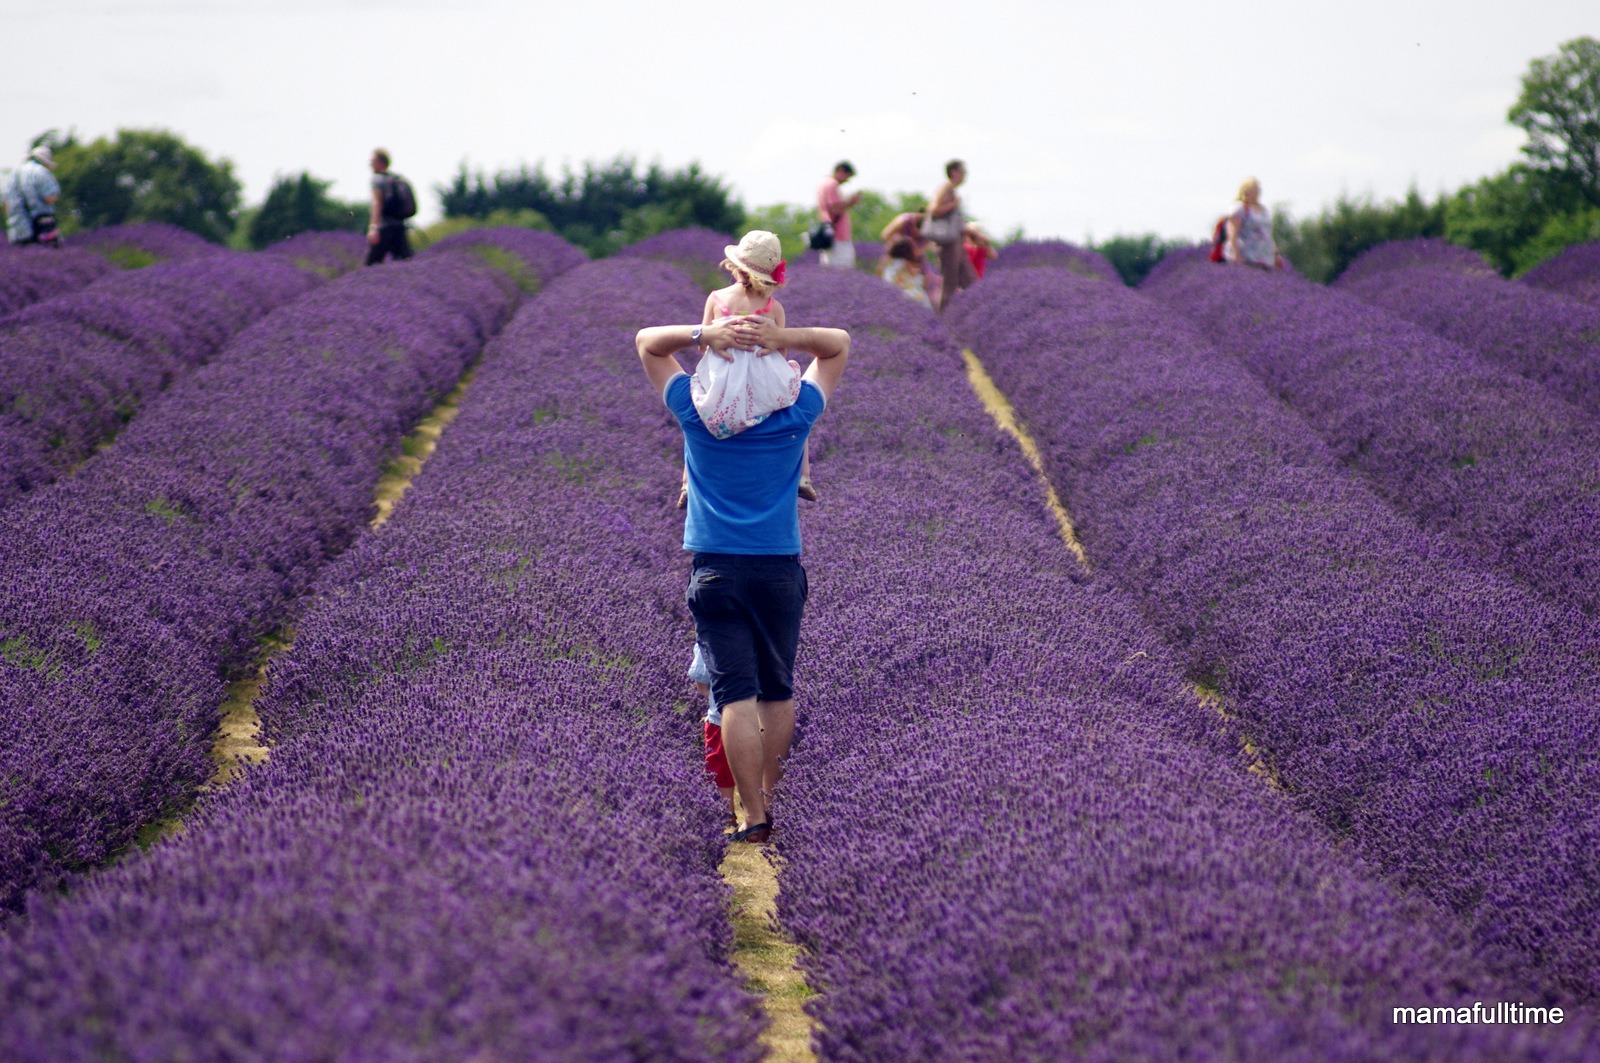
pixel 398 199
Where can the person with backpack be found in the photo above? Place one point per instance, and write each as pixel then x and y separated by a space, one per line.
pixel 30 193
pixel 392 203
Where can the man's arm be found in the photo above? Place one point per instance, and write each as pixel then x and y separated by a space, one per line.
pixel 829 346
pixel 659 343
pixel 377 215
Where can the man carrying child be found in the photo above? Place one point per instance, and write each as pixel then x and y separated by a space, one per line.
pixel 747 588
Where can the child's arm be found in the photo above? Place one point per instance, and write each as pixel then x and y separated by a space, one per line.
pixel 709 315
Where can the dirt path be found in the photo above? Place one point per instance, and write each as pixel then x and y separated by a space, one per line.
pixel 765 955
pixel 1005 416
pixel 999 407
pixel 236 744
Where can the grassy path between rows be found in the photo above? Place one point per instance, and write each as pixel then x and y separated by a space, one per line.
pixel 236 744
pixel 766 957
pixel 1005 416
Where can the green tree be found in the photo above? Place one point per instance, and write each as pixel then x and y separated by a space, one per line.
pixel 146 175
pixel 605 206
pixel 1558 232
pixel 1500 214
pixel 299 204
pixel 1321 247
pixel 1135 256
pixel 1559 109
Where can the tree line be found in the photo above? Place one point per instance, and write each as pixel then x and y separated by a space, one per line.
pixel 1518 218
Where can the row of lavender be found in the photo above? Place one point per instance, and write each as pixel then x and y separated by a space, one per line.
pixel 1534 332
pixel 74 369
pixel 1462 446
pixel 27 278
pixel 1009 831
pixel 1574 273
pixel 1439 716
pixel 133 588
pixel 488 835
pixel 482 817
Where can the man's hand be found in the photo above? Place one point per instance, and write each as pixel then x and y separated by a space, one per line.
pixel 753 330
pixel 721 334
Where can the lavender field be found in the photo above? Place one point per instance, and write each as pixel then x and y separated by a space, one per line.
pixel 1308 734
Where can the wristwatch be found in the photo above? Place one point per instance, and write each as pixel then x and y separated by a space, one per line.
pixel 694 335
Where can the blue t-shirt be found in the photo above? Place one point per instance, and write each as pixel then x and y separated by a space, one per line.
pixel 743 489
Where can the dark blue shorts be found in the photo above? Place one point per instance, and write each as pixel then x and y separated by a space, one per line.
pixel 747 620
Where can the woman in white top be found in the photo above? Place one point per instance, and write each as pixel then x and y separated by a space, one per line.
pixel 1250 230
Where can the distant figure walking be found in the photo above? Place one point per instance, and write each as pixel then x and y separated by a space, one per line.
pixel 392 203
pixel 1250 240
pixel 833 208
pixel 946 227
pixel 30 194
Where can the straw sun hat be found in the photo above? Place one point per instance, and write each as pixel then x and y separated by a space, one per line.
pixel 43 154
pixel 759 253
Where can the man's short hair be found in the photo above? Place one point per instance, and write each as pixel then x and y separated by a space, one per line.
pixel 844 164
pixel 381 155
pixel 951 166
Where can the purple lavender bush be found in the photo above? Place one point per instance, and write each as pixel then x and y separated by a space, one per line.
pixel 26 277
pixel 528 256
pixel 1461 446
pixel 132 589
pixel 869 253
pixel 1538 334
pixel 75 369
pixel 1008 830
pixel 696 250
pixel 1429 252
pixel 685 248
pixel 484 814
pixel 1436 717
pixel 145 243
pixel 1177 261
pixel 327 254
pixel 1575 273
pixel 1059 254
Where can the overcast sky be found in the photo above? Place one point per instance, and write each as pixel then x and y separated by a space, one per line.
pixel 1076 119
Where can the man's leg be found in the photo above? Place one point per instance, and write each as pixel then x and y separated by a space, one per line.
pixel 777 733
pixel 951 256
pixel 742 742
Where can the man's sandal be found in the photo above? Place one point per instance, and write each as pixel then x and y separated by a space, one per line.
pixel 756 835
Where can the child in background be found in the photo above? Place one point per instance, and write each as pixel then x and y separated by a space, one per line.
pixel 904 271
pixel 717 769
pixel 980 249
pixel 736 389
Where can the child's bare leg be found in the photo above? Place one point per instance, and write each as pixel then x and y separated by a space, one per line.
pixel 807 491
pixel 683 488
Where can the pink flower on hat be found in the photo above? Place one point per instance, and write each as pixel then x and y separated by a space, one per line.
pixel 780 271
pixel 758 253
